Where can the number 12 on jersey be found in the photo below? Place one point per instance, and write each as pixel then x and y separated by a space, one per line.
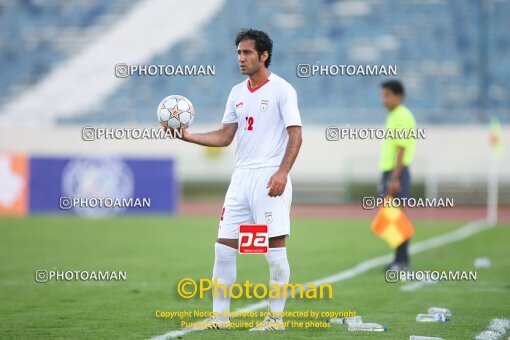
pixel 249 123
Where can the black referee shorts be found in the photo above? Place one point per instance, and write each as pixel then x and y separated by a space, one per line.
pixel 405 183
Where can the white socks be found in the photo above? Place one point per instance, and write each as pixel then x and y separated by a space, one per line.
pixel 279 272
pixel 225 272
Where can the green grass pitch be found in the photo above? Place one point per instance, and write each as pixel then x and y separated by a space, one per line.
pixel 157 252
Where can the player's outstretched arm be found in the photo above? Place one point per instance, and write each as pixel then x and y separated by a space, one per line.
pixel 278 181
pixel 220 137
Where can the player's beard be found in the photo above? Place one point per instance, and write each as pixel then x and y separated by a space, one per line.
pixel 250 71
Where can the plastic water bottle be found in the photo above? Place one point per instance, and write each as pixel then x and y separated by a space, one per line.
pixel 419 337
pixel 367 327
pixel 345 321
pixel 431 318
pixel 482 262
pixel 439 310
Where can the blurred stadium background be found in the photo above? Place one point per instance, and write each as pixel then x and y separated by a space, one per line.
pixel 58 75
pixel 58 57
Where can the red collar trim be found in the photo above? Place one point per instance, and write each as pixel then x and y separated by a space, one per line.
pixel 253 89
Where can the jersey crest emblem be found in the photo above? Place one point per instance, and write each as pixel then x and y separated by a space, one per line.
pixel 263 105
pixel 269 217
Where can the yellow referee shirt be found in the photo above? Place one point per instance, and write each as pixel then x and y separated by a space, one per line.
pixel 400 118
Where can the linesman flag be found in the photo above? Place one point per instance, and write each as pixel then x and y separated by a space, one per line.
pixel 392 225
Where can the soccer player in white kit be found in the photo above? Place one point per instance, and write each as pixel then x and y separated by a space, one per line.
pixel 264 113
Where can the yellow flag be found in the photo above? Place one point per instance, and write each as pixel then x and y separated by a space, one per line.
pixel 392 225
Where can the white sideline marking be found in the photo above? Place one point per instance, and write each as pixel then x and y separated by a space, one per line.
pixel 362 267
pixel 496 330
pixel 411 286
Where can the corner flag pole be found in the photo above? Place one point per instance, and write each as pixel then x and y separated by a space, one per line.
pixel 493 180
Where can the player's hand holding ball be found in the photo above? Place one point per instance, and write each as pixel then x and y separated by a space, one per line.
pixel 176 112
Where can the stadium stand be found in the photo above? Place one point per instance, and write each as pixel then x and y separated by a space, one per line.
pixel 454 71
pixel 37 35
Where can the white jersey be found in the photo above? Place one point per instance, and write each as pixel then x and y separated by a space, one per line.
pixel 262 116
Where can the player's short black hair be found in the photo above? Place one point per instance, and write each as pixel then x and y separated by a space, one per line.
pixel 262 41
pixel 394 86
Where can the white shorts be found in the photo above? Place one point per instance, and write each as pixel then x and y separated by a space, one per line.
pixel 247 202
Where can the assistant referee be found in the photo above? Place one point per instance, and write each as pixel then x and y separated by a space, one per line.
pixel 396 157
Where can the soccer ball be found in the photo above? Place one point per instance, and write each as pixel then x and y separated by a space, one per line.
pixel 176 112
